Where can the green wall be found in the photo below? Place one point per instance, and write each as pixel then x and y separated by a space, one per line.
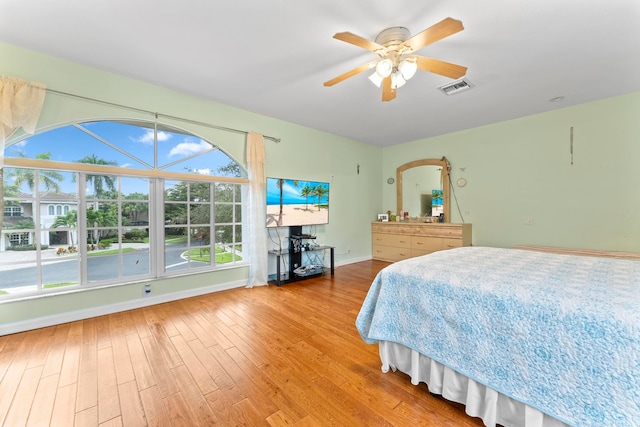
pixel 522 169
pixel 515 170
pixel 303 153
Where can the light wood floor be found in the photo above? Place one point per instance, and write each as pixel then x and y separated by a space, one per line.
pixel 279 356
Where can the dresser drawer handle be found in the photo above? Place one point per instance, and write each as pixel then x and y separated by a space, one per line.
pixel 419 243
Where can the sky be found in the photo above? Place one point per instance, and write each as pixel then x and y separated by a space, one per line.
pixel 291 193
pixel 126 145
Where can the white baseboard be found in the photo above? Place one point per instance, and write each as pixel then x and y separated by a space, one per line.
pixel 353 261
pixel 72 316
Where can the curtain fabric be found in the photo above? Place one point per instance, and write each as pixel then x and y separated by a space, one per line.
pixel 20 106
pixel 257 212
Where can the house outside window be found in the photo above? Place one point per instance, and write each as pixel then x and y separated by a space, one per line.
pixel 138 201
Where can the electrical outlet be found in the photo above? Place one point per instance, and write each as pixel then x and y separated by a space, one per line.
pixel 147 289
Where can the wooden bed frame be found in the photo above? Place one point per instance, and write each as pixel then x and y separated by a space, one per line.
pixel 588 252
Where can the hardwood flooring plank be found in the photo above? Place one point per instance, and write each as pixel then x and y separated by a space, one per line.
pixel 122 358
pixel 43 401
pixel 197 370
pixel 131 405
pixel 103 332
pixel 108 401
pixel 13 375
pixel 23 398
pixel 161 371
pixel 64 407
pixel 40 348
pixel 114 422
pixel 154 409
pixel 193 397
pixel 87 377
pixel 71 361
pixel 178 411
pixel 53 364
pixel 139 362
pixel 87 417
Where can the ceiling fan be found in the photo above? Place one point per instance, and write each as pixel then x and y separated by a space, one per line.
pixel 397 64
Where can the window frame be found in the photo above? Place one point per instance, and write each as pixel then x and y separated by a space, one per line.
pixel 157 178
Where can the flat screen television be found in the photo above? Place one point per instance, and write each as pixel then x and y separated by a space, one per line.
pixel 294 202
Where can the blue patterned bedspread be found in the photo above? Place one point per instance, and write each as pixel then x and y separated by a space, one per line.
pixel 560 333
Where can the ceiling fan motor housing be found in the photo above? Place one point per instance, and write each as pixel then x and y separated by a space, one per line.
pixel 393 36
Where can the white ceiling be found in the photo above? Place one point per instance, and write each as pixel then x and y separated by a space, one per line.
pixel 272 56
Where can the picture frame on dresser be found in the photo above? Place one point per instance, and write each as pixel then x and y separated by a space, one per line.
pixel 383 217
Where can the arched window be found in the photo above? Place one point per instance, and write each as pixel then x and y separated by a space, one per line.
pixel 141 200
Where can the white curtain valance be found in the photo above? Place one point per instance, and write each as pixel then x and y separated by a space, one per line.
pixel 20 106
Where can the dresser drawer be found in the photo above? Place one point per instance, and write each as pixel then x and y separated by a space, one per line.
pixel 390 253
pixel 395 240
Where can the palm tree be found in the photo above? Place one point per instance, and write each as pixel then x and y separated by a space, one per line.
pixel 99 182
pixel 69 220
pixel 280 186
pixel 320 191
pixel 306 192
pixel 49 179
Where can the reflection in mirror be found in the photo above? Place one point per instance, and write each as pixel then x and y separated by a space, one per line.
pixel 418 186
pixel 423 188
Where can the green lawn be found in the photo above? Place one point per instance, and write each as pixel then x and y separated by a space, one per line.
pixel 110 252
pixel 203 255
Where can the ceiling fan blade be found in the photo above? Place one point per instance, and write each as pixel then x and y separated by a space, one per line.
pixel 350 73
pixel 447 69
pixel 358 41
pixel 388 92
pixel 442 29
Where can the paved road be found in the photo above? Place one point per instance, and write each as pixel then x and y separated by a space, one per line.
pixel 98 268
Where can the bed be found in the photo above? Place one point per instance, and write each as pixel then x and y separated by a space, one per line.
pixel 521 337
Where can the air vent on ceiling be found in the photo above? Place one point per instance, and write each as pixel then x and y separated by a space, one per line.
pixel 456 87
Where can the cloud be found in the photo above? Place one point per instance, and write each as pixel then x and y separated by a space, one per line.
pixel 147 138
pixel 188 148
pixel 205 171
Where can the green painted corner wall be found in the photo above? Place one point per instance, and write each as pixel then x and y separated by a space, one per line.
pixel 303 153
pixel 521 169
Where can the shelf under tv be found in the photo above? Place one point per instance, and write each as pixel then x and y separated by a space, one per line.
pixel 302 236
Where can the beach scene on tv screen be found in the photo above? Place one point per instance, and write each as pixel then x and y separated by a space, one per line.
pixel 296 202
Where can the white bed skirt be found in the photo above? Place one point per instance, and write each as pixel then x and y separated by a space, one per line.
pixel 479 400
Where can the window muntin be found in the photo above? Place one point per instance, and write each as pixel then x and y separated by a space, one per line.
pixel 105 225
pixel 13 211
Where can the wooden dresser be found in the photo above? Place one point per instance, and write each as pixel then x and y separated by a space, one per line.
pixel 395 241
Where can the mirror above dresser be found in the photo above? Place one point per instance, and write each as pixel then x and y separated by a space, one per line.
pixel 422 188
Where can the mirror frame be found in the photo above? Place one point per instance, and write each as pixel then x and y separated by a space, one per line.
pixel 444 175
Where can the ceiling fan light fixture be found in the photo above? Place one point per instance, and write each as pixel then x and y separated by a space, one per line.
pixel 375 79
pixel 384 68
pixel 397 81
pixel 408 68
